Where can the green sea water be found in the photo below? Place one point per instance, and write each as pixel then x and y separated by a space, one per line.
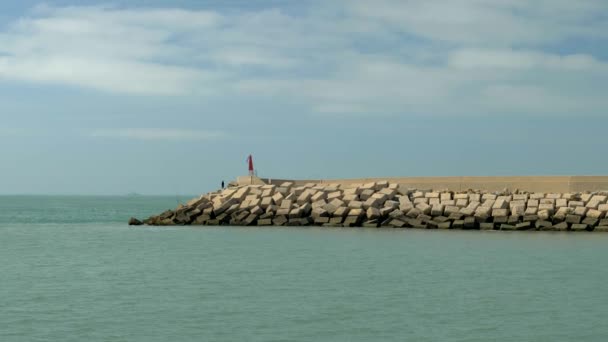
pixel 72 270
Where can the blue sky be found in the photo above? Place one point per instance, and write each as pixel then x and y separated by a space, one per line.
pixel 166 97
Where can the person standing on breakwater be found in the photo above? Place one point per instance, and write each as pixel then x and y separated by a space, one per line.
pixel 222 184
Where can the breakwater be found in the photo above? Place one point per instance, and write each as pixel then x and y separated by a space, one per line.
pixel 386 204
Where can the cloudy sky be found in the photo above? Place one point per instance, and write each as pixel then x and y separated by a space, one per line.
pixel 166 97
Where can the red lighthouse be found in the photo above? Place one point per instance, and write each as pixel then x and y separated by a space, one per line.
pixel 250 162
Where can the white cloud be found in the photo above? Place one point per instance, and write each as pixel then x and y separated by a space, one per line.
pixel 410 57
pixel 163 134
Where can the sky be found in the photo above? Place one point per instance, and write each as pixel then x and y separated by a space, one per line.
pixel 170 97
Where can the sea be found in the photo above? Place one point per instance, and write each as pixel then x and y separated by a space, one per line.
pixel 71 269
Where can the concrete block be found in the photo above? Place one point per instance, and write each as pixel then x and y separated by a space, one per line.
pixel 473 205
pixel 596 214
pixel 537 195
pixel 563 226
pixel 434 201
pixel 554 196
pixel 500 220
pixel 486 226
pixel 574 204
pixel 418 194
pixel 542 224
pixel 279 220
pixel 431 195
pixel 561 202
pixel 352 191
pixel 413 213
pixel 266 202
pixel 579 227
pixel 533 203
pixel 500 212
pixel 586 197
pixel 531 211
pixel 521 197
pixel 372 202
pixel 391 204
pixel 543 215
pixel 487 197
pixel 319 204
pixel 488 203
pixel 483 212
pixel 445 196
pixel 599 198
pixel 462 203
pixel 475 198
pixel 351 221
pixel 286 204
pixel 321 220
pixel 421 200
pixel 396 223
pixel 265 222
pixel 549 207
pixel 600 229
pixel 467 212
pixel 470 223
pixel 441 219
pixel 366 194
pixel 385 211
pixel 291 197
pixel 406 206
pixel 355 204
pixel 333 195
pixel 518 210
pixel 507 227
pixel 458 224
pixel 295 213
pixel 320 195
pixel 319 212
pixel 562 213
pixel 573 219
pixel 356 212
pixel 349 198
pixel 513 220
pixel 602 207
pixel 424 208
pixel 590 221
pixel 451 209
pixel 444 225
pixel 523 226
pixel 593 204
pixel 396 214
pixel 581 211
pixel 568 196
pixel 506 198
pixel 547 201
pixel 373 213
pixel 449 202
pixel 500 204
pixel 461 196
pixel 437 210
pixel 390 193
pixel 530 218
pixel 277 198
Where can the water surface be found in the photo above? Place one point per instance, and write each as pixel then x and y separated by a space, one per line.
pixel 86 276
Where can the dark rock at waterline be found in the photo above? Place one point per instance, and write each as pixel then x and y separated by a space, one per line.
pixel 135 222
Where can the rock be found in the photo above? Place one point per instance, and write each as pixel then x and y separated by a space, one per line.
pixel 500 212
pixel 486 226
pixel 579 227
pixel 372 213
pixel 135 222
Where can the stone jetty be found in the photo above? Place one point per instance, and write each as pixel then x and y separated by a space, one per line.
pixel 392 205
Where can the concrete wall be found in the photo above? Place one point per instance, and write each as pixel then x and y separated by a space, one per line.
pixel 493 183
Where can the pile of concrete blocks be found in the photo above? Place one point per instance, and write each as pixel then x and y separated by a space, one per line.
pixel 384 204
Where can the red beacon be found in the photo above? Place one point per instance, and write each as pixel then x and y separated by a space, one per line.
pixel 250 162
